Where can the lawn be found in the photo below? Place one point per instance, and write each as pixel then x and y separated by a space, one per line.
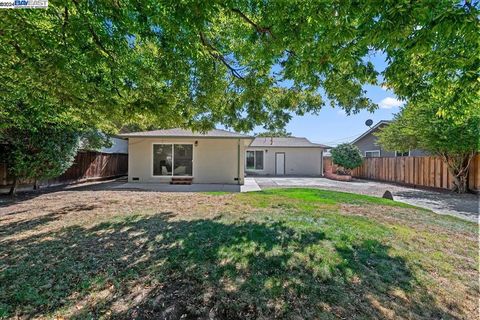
pixel 280 253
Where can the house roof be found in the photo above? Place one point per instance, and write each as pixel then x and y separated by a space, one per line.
pixel 285 142
pixel 184 133
pixel 372 129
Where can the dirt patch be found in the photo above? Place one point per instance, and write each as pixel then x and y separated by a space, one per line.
pixel 50 211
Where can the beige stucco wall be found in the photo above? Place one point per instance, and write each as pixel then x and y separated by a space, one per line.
pixel 214 160
pixel 298 161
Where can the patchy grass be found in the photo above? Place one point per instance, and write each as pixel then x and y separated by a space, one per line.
pixel 330 197
pixel 217 193
pixel 282 253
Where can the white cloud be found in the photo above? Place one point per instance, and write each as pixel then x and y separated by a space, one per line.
pixel 341 112
pixel 389 103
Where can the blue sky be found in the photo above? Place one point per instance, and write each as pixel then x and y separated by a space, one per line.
pixel 331 126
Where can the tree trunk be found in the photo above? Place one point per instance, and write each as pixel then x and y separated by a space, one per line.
pixel 13 188
pixel 460 183
pixel 459 167
pixel 35 184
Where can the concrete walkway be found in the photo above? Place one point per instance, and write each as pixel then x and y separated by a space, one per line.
pixel 465 206
pixel 250 185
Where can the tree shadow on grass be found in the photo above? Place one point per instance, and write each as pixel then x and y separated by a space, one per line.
pixel 28 224
pixel 31 223
pixel 150 267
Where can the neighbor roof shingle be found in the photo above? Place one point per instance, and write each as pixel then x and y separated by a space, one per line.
pixel 292 142
pixel 178 132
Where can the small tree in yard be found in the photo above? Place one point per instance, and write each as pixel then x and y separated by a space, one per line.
pixel 347 156
pixel 40 144
pixel 420 126
pixel 42 154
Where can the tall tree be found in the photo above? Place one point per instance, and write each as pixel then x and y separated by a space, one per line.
pixel 419 126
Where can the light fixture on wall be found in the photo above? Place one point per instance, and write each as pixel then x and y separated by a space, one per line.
pixel 266 150
pixel 196 143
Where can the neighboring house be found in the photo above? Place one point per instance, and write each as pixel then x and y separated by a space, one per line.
pixel 162 156
pixel 369 147
pixel 284 156
pixel 118 146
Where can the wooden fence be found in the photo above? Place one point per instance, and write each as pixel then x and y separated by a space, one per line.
pixel 416 171
pixel 87 166
pixel 328 165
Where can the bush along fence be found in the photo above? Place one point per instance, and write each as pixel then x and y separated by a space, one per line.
pixel 429 172
pixel 87 166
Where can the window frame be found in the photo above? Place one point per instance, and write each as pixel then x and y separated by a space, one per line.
pixel 255 160
pixel 377 151
pixel 152 164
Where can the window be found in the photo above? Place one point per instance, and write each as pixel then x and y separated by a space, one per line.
pixel 402 154
pixel 250 159
pixel 372 154
pixel 162 159
pixel 254 160
pixel 172 159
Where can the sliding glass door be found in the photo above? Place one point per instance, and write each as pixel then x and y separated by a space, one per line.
pixel 183 156
pixel 173 160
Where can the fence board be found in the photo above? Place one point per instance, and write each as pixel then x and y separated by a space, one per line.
pixel 431 180
pixel 474 176
pixel 444 176
pixel 438 173
pixel 418 171
pixel 419 175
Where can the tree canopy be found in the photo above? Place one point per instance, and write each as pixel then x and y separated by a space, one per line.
pixel 275 133
pixel 239 63
pixel 419 127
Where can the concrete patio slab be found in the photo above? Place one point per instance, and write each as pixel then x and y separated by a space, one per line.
pixel 249 186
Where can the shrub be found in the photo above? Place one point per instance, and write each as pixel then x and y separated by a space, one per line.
pixel 347 156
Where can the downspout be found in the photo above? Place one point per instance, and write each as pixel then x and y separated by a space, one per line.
pixel 238 162
pixel 321 161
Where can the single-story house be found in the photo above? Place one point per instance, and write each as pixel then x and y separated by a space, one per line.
pixel 367 142
pixel 280 156
pixel 166 156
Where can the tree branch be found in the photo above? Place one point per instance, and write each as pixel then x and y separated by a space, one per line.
pixel 17 47
pixel 94 35
pixel 64 25
pixel 218 56
pixel 261 30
